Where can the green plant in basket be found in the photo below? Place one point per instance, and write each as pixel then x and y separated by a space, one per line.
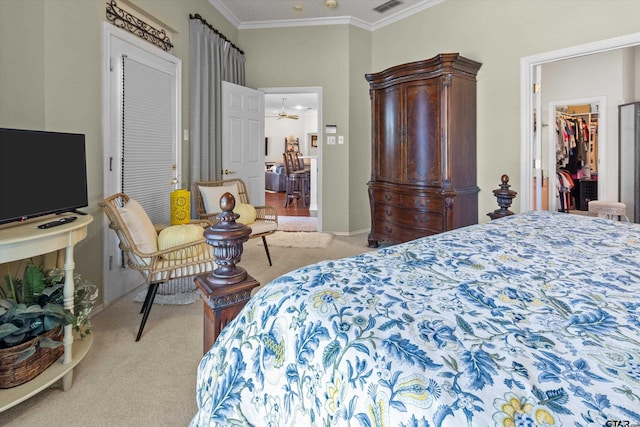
pixel 35 304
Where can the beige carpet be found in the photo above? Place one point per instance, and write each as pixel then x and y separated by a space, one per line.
pixel 298 239
pixel 168 295
pixel 151 383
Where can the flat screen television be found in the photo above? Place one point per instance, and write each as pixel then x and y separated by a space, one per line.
pixel 41 173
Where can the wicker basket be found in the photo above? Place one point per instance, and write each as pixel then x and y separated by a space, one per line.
pixel 13 373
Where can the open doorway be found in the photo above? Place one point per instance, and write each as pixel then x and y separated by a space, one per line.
pixel 572 146
pixel 531 69
pixel 292 124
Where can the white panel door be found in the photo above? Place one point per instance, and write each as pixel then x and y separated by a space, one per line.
pixel 243 138
pixel 150 165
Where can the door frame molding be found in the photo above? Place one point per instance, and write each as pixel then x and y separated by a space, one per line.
pixel 318 91
pixel 109 31
pixel 528 67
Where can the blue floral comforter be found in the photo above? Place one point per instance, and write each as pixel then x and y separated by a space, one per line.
pixel 530 320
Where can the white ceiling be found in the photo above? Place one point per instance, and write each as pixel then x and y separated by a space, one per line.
pixel 282 13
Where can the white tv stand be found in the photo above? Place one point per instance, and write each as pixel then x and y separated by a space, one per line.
pixel 25 241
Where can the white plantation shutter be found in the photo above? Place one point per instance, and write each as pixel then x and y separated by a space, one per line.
pixel 148 137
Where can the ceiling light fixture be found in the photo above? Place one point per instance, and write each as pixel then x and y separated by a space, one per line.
pixel 331 3
pixel 297 7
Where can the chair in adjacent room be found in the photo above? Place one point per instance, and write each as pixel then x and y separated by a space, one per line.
pixel 297 180
pixel 183 253
pixel 263 220
pixel 609 210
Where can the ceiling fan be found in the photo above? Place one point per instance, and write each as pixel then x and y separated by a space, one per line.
pixel 284 115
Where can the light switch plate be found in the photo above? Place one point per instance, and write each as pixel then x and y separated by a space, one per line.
pixel 331 140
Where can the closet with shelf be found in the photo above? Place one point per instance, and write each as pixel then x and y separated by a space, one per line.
pixel 576 157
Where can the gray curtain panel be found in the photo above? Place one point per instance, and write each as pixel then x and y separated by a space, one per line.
pixel 212 59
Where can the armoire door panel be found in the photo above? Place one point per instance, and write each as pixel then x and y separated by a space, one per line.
pixel 388 130
pixel 462 126
pixel 422 123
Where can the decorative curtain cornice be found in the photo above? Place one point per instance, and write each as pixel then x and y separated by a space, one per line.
pixel 125 20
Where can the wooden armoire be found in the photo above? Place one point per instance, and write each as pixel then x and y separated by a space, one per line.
pixel 423 125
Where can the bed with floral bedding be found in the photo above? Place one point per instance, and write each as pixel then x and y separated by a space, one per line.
pixel 529 320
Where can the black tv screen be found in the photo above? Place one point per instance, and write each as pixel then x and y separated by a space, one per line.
pixel 41 173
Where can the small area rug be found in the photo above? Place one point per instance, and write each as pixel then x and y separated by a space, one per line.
pixel 297 223
pixel 299 239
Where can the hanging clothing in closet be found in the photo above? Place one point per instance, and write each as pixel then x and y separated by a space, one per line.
pixel 572 143
pixel 576 156
pixel 564 184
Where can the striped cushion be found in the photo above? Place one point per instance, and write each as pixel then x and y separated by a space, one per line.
pixel 180 234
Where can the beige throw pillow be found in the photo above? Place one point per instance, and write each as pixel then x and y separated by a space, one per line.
pixel 211 196
pixel 140 227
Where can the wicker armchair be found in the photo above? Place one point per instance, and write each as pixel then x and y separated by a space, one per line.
pixel 131 224
pixel 266 216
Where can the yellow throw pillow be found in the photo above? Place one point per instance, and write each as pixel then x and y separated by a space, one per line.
pixel 180 234
pixel 247 213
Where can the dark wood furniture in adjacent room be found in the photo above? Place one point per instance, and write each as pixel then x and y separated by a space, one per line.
pixel 423 177
pixel 588 192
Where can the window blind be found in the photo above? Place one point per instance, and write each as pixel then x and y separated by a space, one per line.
pixel 148 145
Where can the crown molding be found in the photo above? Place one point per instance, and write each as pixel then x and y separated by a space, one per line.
pixel 404 14
pixel 225 12
pixel 309 22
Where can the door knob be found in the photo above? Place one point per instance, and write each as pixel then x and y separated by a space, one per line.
pixel 228 172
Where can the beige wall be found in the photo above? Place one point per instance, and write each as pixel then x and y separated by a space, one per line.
pixel 359 142
pixel 307 57
pixel 22 64
pixel 336 59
